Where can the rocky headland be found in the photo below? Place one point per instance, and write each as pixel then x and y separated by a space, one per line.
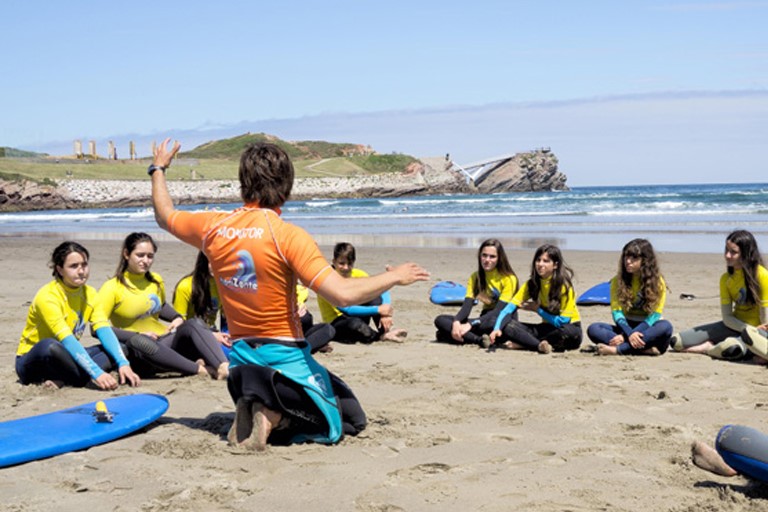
pixel 523 172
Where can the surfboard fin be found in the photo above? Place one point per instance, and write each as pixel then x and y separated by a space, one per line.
pixel 101 413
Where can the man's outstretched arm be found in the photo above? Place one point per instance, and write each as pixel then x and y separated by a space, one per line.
pixel 161 199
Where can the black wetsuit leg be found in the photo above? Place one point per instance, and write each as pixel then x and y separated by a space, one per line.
pixel 48 359
pixel 269 387
pixel 351 329
pixel 567 337
pixel 444 325
pixel 154 356
pixel 194 339
pixel 319 335
pixel 522 333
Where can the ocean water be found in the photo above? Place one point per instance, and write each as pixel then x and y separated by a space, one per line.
pixel 675 218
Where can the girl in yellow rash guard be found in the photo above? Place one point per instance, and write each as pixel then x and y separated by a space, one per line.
pixel 493 285
pixel 49 350
pixel 134 301
pixel 638 293
pixel 743 302
pixel 549 292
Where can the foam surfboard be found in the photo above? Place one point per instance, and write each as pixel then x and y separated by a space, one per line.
pixel 598 294
pixel 447 293
pixel 77 428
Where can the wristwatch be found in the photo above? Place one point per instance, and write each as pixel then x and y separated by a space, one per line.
pixel 153 168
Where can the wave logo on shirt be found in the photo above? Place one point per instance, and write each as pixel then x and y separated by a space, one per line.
pixel 153 307
pixel 742 298
pixel 79 328
pixel 316 380
pixel 245 277
pixel 639 300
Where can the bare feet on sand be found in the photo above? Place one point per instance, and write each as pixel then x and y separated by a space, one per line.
pixel 511 345
pixel 326 349
pixel 53 384
pixel 205 371
pixel 252 426
pixel 606 350
pixel 545 347
pixel 700 349
pixel 243 425
pixel 264 420
pixel 708 459
pixel 396 335
pixel 222 372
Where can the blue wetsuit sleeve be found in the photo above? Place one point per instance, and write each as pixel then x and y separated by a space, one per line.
pixel 621 321
pixel 508 310
pixel 81 357
pixel 109 341
pixel 556 320
pixel 466 308
pixel 386 298
pixel 360 310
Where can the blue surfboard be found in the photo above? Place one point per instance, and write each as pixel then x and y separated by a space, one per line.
pixel 598 294
pixel 447 293
pixel 76 428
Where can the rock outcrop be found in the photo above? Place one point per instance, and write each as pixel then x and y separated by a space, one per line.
pixel 525 172
pixel 25 195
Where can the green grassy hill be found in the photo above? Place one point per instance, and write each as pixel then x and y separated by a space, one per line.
pixel 213 160
pixel 18 153
pixel 301 150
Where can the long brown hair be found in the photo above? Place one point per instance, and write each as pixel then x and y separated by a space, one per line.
pixel 750 260
pixel 562 276
pixel 502 265
pixel 200 297
pixel 650 276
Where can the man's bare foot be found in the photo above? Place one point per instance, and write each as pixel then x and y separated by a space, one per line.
pixel 326 349
pixel 53 384
pixel 606 350
pixel 485 341
pixel 222 372
pixel 545 347
pixel 653 351
pixel 242 427
pixel 511 345
pixel 703 348
pixel 264 420
pixel 708 459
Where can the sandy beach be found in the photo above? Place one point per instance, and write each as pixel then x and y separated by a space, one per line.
pixel 450 428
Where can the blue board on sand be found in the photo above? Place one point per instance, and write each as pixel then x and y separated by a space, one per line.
pixel 598 294
pixel 76 428
pixel 447 293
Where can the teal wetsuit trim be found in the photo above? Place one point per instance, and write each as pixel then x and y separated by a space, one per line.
pixel 297 365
